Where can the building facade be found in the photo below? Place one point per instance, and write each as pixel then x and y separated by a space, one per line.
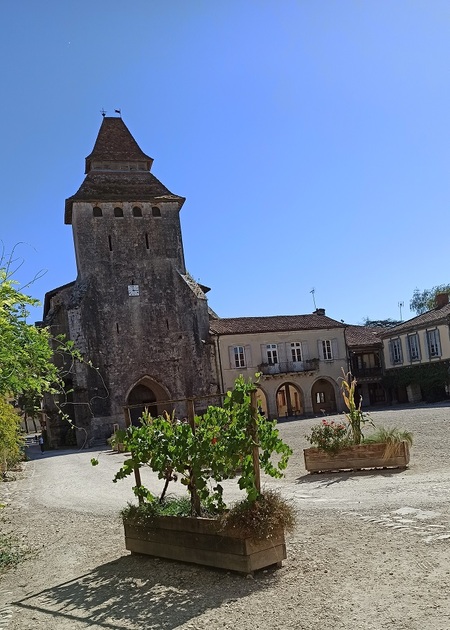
pixel 300 359
pixel 417 356
pixel 133 309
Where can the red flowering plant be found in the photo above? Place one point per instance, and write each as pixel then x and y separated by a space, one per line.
pixel 329 436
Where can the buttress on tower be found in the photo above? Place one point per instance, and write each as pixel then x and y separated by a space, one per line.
pixel 134 312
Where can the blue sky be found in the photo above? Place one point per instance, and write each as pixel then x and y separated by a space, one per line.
pixel 310 138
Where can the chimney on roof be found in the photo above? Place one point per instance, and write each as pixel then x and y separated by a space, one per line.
pixel 319 311
pixel 441 300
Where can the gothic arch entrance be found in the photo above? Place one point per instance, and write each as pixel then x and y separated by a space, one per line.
pixel 147 394
pixel 289 399
pixel 323 397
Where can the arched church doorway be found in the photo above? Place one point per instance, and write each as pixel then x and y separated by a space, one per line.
pixel 146 395
pixel 323 397
pixel 289 401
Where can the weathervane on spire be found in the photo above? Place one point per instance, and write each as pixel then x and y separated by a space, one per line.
pixel 103 112
pixel 118 111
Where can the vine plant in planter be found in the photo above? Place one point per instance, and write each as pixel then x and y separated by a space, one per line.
pixel 341 445
pixel 232 441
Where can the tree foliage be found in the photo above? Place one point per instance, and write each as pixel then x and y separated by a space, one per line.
pixel 221 446
pixel 381 323
pixel 423 301
pixel 11 441
pixel 25 352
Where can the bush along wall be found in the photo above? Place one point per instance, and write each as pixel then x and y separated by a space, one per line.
pixel 431 377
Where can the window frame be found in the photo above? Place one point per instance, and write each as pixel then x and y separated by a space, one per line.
pixel 327 350
pixel 413 347
pixel 272 353
pixel 239 357
pixel 296 351
pixel 433 339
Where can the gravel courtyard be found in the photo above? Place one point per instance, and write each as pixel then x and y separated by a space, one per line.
pixel 371 550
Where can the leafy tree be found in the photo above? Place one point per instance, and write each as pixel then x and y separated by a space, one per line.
pixel 423 301
pixel 381 323
pixel 11 441
pixel 25 352
pixel 27 371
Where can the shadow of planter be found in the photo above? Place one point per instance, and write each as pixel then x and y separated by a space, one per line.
pixel 203 541
pixel 358 457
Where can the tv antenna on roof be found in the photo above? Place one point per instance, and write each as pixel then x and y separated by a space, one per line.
pixel 400 306
pixel 313 291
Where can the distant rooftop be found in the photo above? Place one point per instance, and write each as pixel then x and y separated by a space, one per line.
pixel 276 323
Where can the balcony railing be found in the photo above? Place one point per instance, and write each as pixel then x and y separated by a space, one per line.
pixel 289 366
pixel 368 372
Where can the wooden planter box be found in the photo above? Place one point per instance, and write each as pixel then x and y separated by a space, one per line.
pixel 357 457
pixel 201 541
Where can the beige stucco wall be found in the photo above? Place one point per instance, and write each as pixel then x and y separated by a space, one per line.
pixel 422 335
pixel 303 381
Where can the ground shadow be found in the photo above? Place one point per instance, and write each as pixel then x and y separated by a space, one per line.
pixel 143 592
pixel 329 478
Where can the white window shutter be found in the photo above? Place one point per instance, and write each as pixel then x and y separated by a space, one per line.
pixel 264 353
pixel 408 349
pixel 305 351
pixel 335 348
pixel 419 351
pixel 320 349
pixel 248 356
pixel 281 352
pixel 231 355
pixel 391 352
pixel 287 351
pixel 438 341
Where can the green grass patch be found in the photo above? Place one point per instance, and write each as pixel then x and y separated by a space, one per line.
pixel 11 552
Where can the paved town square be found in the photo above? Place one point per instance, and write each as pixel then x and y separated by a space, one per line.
pixel 371 550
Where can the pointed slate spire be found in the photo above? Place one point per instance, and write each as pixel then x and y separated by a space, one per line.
pixel 118 170
pixel 115 144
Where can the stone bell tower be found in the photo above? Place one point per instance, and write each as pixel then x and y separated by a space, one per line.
pixel 133 311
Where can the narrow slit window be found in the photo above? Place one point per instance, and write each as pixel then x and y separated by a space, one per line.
pixel 110 243
pixel 97 212
pixel 147 243
pixel 118 212
pixel 156 212
pixel 137 212
pixel 117 328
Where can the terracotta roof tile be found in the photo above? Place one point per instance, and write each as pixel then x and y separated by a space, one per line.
pixel 430 318
pixel 277 323
pixel 363 336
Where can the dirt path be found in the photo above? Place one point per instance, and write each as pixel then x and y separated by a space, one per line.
pixel 371 550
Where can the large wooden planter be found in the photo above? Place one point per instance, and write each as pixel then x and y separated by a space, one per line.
pixel 358 457
pixel 201 541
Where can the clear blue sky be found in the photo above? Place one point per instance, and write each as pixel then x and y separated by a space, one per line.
pixel 310 138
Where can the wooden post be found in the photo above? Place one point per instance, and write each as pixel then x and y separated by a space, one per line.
pixel 195 500
pixel 137 472
pixel 254 434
